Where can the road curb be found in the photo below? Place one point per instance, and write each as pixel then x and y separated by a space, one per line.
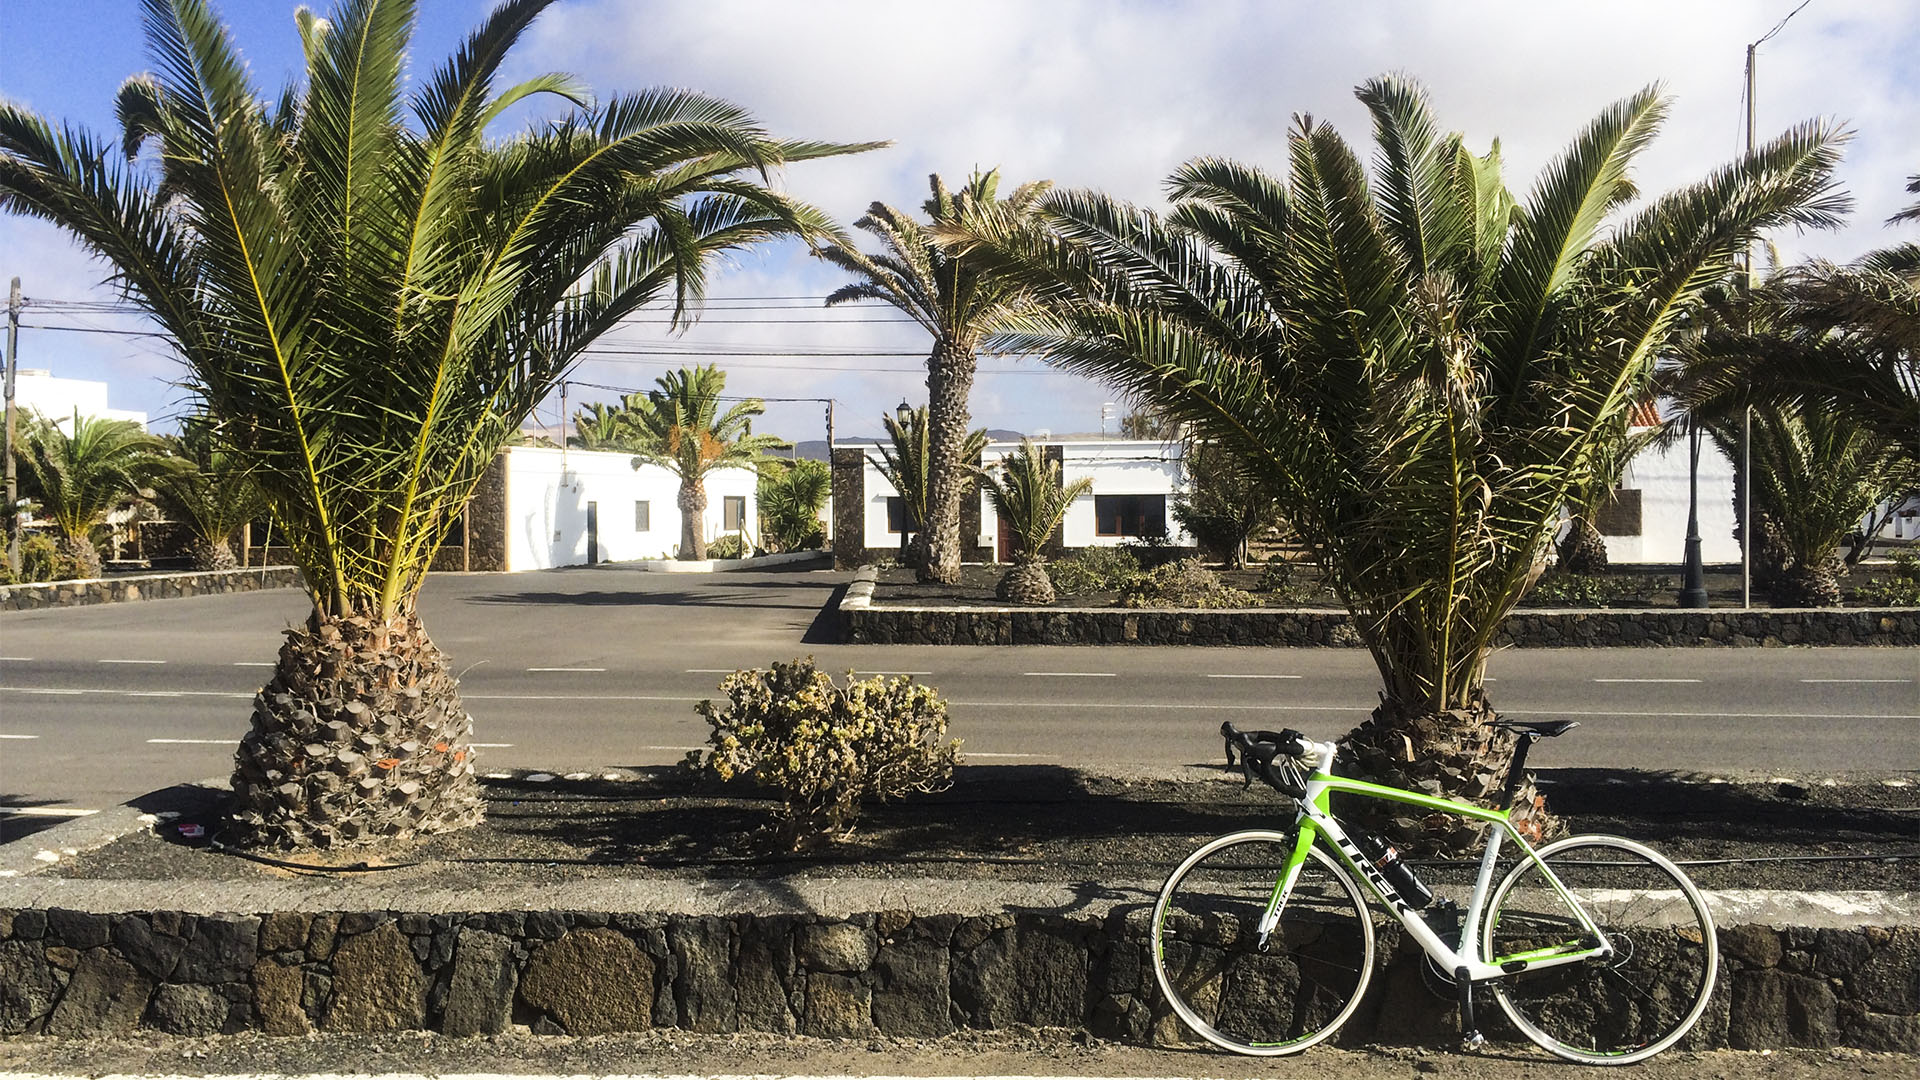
pixel 43 850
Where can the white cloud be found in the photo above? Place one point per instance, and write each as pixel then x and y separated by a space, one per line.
pixel 1114 95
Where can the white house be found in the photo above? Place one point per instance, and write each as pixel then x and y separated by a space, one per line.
pixel 58 399
pixel 1133 487
pixel 578 507
pixel 1646 522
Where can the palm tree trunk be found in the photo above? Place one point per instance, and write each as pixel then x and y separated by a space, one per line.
pixel 86 557
pixel 359 738
pixel 1802 585
pixel 213 553
pixel 693 519
pixel 1026 583
pixel 949 385
pixel 1455 753
pixel 1584 551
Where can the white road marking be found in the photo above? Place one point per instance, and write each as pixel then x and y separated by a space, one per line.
pixel 17 659
pixel 711 670
pixel 864 671
pixel 1111 706
pixel 1857 680
pixel 566 669
pixel 1070 674
pixel 46 691
pixel 133 661
pixel 490 745
pixel 978 753
pixel 673 748
pixel 19 736
pixel 186 742
pixel 1255 676
pixel 256 663
pixel 153 693
pixel 1647 680
pixel 45 811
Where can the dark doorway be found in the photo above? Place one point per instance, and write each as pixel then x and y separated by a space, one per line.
pixel 593 533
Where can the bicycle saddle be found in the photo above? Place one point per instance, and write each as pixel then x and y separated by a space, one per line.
pixel 1544 729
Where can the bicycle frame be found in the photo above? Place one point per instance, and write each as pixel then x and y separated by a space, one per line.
pixel 1315 820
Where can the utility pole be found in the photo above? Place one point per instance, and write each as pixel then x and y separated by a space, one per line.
pixel 13 481
pixel 829 430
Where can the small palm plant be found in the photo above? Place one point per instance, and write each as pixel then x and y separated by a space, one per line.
pixel 210 488
pixel 680 426
pixel 907 465
pixel 372 288
pixel 80 476
pixel 791 494
pixel 1026 492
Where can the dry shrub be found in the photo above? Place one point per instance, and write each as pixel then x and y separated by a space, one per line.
pixel 1184 584
pixel 825 748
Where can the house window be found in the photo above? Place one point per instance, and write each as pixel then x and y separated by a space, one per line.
pixel 1130 515
pixel 733 511
pixel 642 516
pixel 898 520
pixel 1619 513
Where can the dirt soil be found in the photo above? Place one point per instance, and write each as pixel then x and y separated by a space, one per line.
pixel 1046 823
pixel 994 1053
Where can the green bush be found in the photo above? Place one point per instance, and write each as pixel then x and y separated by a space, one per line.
pixel 1183 584
pixel 1094 569
pixel 1597 590
pixel 823 747
pixel 728 546
pixel 41 559
pixel 1283 583
pixel 1900 588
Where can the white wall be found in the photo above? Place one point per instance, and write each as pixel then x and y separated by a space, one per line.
pixel 57 399
pixel 548 492
pixel 1116 468
pixel 1661 475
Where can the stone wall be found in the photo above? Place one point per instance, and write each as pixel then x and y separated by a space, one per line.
pixel 891 973
pixel 883 625
pixel 849 469
pixel 145 587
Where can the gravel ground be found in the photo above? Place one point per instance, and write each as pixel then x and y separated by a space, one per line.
pixel 1045 823
pixel 997 1053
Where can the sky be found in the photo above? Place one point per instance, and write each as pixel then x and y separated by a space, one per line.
pixel 1105 94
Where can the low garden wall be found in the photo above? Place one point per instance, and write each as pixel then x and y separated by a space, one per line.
pixel 74 973
pixel 115 590
pixel 871 623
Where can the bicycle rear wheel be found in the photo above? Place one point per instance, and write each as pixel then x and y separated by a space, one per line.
pixel 1237 992
pixel 1623 1008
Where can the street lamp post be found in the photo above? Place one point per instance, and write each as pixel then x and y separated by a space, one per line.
pixel 1693 586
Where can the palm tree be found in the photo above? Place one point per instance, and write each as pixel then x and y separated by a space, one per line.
pixel 907 465
pixel 1911 213
pixel 1815 475
pixel 204 483
pixel 1026 492
pixel 372 292
pixel 80 476
pixel 680 426
pixel 791 494
pixel 957 303
pixel 1423 368
pixel 609 428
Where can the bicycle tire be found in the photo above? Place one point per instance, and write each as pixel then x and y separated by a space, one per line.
pixel 1627 1007
pixel 1221 985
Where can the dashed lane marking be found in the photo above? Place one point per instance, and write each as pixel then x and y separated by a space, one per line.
pixel 1647 680
pixel 186 742
pixel 566 669
pixel 17 659
pixel 490 745
pixel 1255 676
pixel 133 661
pixel 19 736
pixel 1856 680
pixel 1070 674
pixel 45 811
pixel 255 663
pixel 865 671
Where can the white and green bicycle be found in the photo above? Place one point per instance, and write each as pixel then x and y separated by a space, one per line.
pixel 1596 947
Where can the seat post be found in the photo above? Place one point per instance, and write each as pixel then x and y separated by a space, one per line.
pixel 1517 772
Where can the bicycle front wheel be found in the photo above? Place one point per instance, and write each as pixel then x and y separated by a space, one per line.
pixel 1622 1008
pixel 1274 994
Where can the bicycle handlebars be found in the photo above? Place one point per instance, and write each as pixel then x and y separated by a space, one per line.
pixel 1258 751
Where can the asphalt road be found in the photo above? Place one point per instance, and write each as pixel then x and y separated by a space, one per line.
pixel 599 668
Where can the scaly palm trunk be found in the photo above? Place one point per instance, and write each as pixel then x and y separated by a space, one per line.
pixel 1026 583
pixel 693 519
pixel 212 554
pixel 1455 754
pixel 360 737
pixel 1802 585
pixel 949 384
pixel 1584 551
pixel 86 557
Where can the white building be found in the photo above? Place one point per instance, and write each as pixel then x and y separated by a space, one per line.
pixel 579 507
pixel 1646 521
pixel 58 399
pixel 1132 496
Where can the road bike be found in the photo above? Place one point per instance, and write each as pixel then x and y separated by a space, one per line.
pixel 1595 947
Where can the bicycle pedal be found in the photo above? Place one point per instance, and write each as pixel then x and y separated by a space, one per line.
pixel 1472 1041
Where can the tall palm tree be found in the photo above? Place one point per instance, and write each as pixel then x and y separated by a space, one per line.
pixel 681 427
pixel 80 476
pixel 1424 368
pixel 1026 491
pixel 599 426
pixel 1911 213
pixel 955 301
pixel 372 292
pixel 908 466
pixel 205 484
